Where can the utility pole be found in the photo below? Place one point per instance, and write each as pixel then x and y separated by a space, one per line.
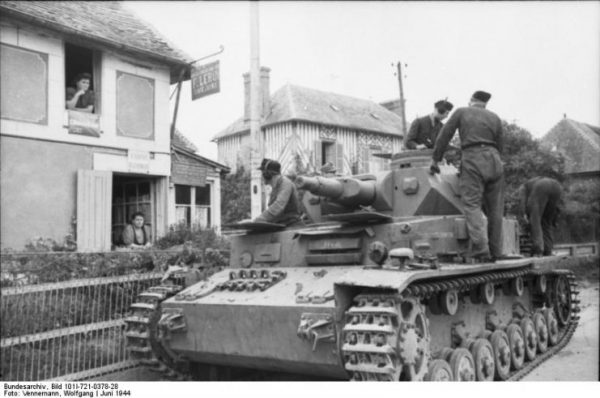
pixel 402 101
pixel 256 147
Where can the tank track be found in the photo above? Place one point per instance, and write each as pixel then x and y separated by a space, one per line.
pixel 141 333
pixel 376 325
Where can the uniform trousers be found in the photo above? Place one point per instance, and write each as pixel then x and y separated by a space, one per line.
pixel 482 192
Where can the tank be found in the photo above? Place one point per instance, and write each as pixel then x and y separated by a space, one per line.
pixel 377 286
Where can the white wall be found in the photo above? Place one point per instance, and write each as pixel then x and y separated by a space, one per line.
pixel 53 45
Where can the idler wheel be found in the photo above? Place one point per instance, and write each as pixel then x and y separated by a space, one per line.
pixel 502 354
pixel 517 286
pixel 517 346
pixel 483 355
pixel 552 325
pixel 439 370
pixel 449 301
pixel 541 329
pixel 530 337
pixel 462 365
pixel 488 293
pixel 561 299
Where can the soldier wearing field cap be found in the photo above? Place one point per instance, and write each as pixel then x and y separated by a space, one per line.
pixel 284 207
pixel 424 130
pixel 481 180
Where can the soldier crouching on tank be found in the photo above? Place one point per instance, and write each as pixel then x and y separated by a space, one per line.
pixel 539 205
pixel 481 175
pixel 284 207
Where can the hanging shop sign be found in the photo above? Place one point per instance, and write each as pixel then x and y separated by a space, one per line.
pixel 205 80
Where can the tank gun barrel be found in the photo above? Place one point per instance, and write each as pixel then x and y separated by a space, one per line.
pixel 345 191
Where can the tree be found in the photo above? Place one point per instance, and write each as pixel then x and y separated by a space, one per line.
pixel 524 158
pixel 235 196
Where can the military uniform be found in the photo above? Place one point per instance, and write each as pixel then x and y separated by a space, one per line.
pixel 482 175
pixel 539 200
pixel 423 131
pixel 284 207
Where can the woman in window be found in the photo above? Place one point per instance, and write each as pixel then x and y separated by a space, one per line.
pixel 81 98
pixel 136 235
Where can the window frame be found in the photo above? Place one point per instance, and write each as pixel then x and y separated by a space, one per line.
pixel 193 206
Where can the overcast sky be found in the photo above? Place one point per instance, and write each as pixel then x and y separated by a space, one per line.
pixel 539 60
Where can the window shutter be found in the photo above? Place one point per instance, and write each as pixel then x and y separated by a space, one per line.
pixel 94 193
pixel 365 155
pixel 317 156
pixel 161 192
pixel 339 158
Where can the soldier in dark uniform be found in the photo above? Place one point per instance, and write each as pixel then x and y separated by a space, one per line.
pixel 284 206
pixel 424 130
pixel 482 175
pixel 540 198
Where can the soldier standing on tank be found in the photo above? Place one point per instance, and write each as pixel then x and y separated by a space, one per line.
pixel 482 175
pixel 424 130
pixel 284 207
pixel 539 204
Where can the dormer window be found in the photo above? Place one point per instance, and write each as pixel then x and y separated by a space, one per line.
pixel 374 115
pixel 335 108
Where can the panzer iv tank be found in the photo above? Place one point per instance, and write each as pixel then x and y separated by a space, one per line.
pixel 376 288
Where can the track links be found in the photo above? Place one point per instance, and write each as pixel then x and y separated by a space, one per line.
pixel 374 326
pixel 141 332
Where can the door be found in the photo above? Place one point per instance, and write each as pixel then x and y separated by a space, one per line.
pixel 94 193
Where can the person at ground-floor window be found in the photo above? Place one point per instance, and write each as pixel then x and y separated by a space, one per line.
pixel 80 98
pixel 136 235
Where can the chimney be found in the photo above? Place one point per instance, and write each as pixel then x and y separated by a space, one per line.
pixel 265 92
pixel 246 96
pixel 394 106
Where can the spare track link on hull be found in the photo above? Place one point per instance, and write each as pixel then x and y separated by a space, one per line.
pixel 386 336
pixel 141 333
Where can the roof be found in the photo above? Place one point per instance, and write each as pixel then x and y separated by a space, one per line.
pixel 182 141
pixel 293 102
pixel 578 142
pixel 104 22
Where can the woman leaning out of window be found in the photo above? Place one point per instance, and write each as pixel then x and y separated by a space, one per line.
pixel 136 235
pixel 80 98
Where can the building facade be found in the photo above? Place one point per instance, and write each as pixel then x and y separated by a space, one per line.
pixel 305 128
pixel 68 172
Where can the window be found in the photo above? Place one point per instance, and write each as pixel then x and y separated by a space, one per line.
pixel 78 61
pixel 130 195
pixel 327 152
pixel 376 163
pixel 192 205
pixel 23 85
pixel 135 106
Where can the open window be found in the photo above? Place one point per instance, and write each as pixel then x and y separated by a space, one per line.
pixel 329 151
pixel 81 60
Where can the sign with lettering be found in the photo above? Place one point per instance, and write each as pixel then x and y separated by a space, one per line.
pixel 205 80
pixel 83 123
pixel 138 161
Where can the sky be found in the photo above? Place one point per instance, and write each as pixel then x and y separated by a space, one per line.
pixel 539 60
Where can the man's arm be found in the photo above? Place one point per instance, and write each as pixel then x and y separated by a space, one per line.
pixel 445 135
pixel 500 136
pixel 413 132
pixel 277 207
